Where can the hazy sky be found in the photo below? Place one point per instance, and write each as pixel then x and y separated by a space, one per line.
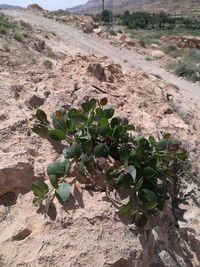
pixel 48 4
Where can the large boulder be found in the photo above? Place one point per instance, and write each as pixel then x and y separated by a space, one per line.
pixel 157 54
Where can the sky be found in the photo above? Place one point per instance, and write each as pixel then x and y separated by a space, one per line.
pixel 46 4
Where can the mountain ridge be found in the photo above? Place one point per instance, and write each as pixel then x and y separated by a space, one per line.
pixel 5 6
pixel 94 6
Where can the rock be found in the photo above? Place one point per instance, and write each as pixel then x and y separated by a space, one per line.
pixel 182 41
pixel 157 54
pixel 108 73
pixel 98 31
pixel 130 42
pixel 36 101
pixel 168 111
pixel 16 172
pixel 39 46
pixel 123 38
pixel 154 46
pixel 97 70
pixel 108 76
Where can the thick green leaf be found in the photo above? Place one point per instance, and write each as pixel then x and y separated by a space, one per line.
pixel 59 168
pixel 67 152
pixel 89 105
pixel 103 122
pixel 63 192
pixel 144 143
pixel 77 117
pixel 167 136
pixel 152 141
pixel 86 159
pixel 54 180
pixel 138 184
pixel 130 127
pixel 86 107
pixel 101 150
pixel 103 130
pixel 40 129
pixel 99 113
pixel 57 134
pixel 59 120
pixel 116 121
pixel 132 171
pixel 149 195
pixel 124 153
pixel 76 150
pixel 140 219
pixel 149 206
pixel 81 168
pixel 40 189
pixel 124 209
pixel 88 146
pixel 163 145
pixel 109 112
pixel 93 131
pixel 124 181
pixel 41 116
pixel 149 173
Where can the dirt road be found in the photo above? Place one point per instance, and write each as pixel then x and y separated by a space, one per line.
pixel 77 41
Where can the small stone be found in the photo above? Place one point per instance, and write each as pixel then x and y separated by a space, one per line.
pixel 36 101
pixel 168 111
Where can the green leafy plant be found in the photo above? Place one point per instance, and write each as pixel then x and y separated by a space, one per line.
pixel 135 164
pixel 48 63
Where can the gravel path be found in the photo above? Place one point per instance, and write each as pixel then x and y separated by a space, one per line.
pixel 77 41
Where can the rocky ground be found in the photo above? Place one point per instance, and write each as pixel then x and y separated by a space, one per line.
pixel 87 231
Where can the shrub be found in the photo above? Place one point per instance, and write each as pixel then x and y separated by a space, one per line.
pixel 112 32
pixel 105 16
pixel 48 63
pixel 142 42
pixel 139 166
pixel 2 30
pixel 88 29
pixel 172 50
pixel 5 24
pixel 188 69
pixel 18 35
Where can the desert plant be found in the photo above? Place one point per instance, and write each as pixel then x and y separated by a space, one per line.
pixel 142 42
pixel 48 63
pixel 188 69
pixel 105 16
pixel 18 35
pixel 138 165
pixel 88 29
pixel 172 50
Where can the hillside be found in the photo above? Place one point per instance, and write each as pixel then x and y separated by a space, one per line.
pixel 4 6
pixel 153 5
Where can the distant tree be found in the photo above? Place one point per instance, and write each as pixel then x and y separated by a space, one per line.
pixel 163 18
pixel 126 18
pixel 105 16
